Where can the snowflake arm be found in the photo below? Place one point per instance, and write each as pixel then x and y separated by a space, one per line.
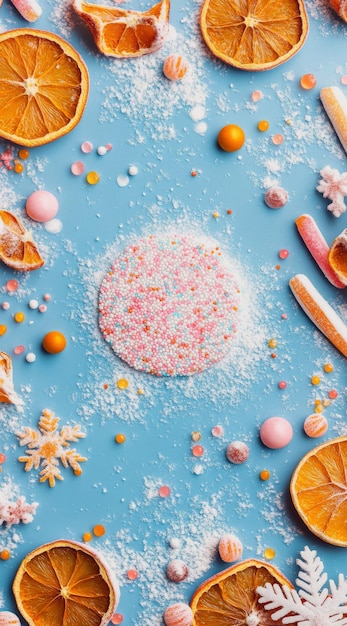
pixel 50 471
pixel 68 434
pixel 15 512
pixel 311 578
pixel 32 460
pixel 285 600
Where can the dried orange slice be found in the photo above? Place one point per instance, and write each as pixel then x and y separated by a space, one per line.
pixel 44 87
pixel 319 491
pixel 254 35
pixel 230 599
pixel 121 33
pixel 7 392
pixel 64 583
pixel 340 8
pixel 17 247
pixel 337 256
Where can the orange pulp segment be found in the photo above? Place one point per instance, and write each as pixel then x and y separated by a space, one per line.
pixel 337 256
pixel 340 8
pixel 319 491
pixel 64 583
pixel 44 87
pixel 254 35
pixel 7 392
pixel 121 33
pixel 17 247
pixel 230 599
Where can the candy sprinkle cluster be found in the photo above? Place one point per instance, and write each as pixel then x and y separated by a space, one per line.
pixel 169 306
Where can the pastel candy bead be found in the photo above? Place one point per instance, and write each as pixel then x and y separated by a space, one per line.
pixel 42 206
pixel 276 432
pixel 315 425
pixel 179 614
pixel 230 548
pixel 9 619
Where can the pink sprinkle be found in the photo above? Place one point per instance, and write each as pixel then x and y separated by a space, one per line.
pixel 117 618
pixel 283 254
pixel 333 394
pixel 19 350
pixel 47 297
pixel 237 452
pixel 277 139
pixel 284 316
pixel 5 306
pixel 77 168
pixel 108 146
pixel 198 450
pixel 12 285
pixel 282 384
pixel 2 458
pixel 217 431
pixel 343 79
pixel 164 491
pixel 87 147
pixel 257 95
pixel 132 574
pixel 43 308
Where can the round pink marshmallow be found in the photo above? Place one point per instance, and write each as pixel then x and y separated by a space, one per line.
pixel 42 206
pixel 276 432
pixel 276 197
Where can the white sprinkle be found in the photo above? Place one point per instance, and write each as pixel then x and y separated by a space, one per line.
pixel 101 150
pixel 133 170
pixel 33 304
pixel 198 113
pixel 30 357
pixel 122 180
pixel 54 226
pixel 200 128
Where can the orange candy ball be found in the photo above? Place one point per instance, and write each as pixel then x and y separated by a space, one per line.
pixel 231 138
pixel 54 342
pixel 175 67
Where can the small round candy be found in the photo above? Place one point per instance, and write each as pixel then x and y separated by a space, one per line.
pixel 33 304
pixel 8 619
pixel 276 197
pixel 177 571
pixel 30 357
pixel 175 67
pixel 42 206
pixel 230 548
pixel 179 614
pixel 276 432
pixel 315 425
pixel 54 342
pixel 237 452
pixel 231 138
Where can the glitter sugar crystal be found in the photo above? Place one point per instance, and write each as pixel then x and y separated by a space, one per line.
pixel 169 305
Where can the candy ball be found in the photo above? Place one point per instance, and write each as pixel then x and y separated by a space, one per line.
pixel 276 197
pixel 8 619
pixel 276 432
pixel 230 548
pixel 175 67
pixel 54 342
pixel 177 571
pixel 231 138
pixel 237 452
pixel 315 425
pixel 42 206
pixel 179 614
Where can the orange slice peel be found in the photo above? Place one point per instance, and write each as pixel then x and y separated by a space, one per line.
pixel 18 250
pixel 7 392
pixel 337 256
pixel 252 35
pixel 124 33
pixel 44 87
pixel 63 583
pixel 319 491
pixel 230 596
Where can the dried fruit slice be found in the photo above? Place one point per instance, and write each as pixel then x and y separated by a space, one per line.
pixel 319 491
pixel 17 248
pixel 64 583
pixel 337 256
pixel 7 392
pixel 254 35
pixel 44 86
pixel 230 599
pixel 340 7
pixel 121 33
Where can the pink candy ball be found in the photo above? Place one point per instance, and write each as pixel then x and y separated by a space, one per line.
pixel 177 571
pixel 276 432
pixel 42 206
pixel 179 614
pixel 237 452
pixel 276 197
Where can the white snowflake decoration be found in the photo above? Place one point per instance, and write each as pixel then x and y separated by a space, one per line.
pixel 17 511
pixel 47 446
pixel 313 604
pixel 333 186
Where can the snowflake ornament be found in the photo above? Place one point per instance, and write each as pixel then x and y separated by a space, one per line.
pixel 333 185
pixel 313 604
pixel 47 446
pixel 17 511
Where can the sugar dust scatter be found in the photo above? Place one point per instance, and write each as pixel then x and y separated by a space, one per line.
pixel 169 306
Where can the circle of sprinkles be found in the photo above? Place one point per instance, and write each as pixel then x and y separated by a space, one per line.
pixel 169 306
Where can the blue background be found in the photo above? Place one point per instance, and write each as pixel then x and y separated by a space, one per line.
pixel 155 131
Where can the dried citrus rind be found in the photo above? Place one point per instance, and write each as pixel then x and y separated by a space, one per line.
pixel 63 583
pixel 124 33
pixel 229 598
pixel 18 250
pixel 44 87
pixel 337 256
pixel 252 35
pixel 319 491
